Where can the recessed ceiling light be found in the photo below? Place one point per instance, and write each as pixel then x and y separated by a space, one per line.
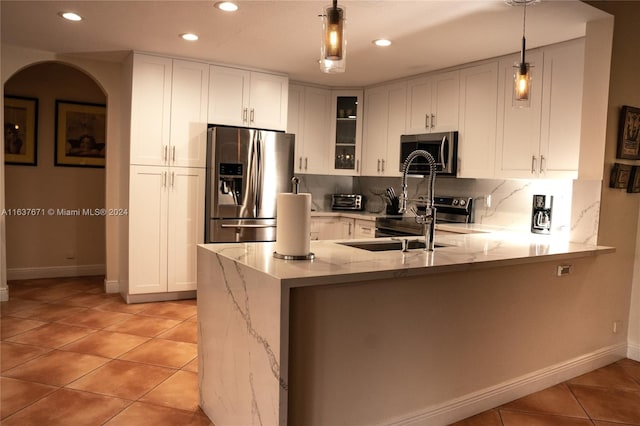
pixel 227 6
pixel 382 42
pixel 71 16
pixel 189 36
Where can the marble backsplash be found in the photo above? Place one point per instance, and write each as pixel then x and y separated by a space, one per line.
pixel 499 202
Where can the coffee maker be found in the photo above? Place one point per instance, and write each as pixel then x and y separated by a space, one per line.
pixel 541 214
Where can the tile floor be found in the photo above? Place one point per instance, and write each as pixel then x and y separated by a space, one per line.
pixel 72 355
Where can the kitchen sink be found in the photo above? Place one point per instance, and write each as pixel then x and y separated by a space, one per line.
pixel 386 245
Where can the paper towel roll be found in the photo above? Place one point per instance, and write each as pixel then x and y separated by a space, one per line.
pixel 293 224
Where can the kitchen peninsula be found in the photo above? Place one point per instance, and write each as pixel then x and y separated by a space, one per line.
pixel 358 337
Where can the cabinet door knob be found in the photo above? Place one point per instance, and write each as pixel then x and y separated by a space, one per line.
pixel 382 169
pixel 306 162
pixel 433 121
pixel 358 166
pixel 164 153
pixel 542 165
pixel 426 121
pixel 378 169
pixel 164 179
pixel 244 115
pixel 173 154
pixel 300 166
pixel 533 164
pixel 252 115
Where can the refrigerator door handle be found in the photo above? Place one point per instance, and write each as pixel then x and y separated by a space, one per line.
pixel 248 226
pixel 259 171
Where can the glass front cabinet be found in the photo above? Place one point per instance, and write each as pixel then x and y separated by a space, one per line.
pixel 346 131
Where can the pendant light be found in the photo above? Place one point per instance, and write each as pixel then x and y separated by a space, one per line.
pixel 333 48
pixel 522 74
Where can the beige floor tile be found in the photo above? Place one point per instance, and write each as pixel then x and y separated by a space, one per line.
pixel 519 418
pixel 165 353
pixel 16 305
pixel 554 400
pixel 11 326
pixel 178 391
pixel 611 376
pixel 56 368
pixel 487 418
pixel 14 354
pixel 66 407
pixel 49 312
pixel 52 335
pixel 120 305
pixel 184 332
pixel 17 394
pixel 178 311
pixel 612 405
pixel 140 413
pixel 108 344
pixel 144 326
pixel 88 300
pixel 95 319
pixel 123 379
pixel 192 366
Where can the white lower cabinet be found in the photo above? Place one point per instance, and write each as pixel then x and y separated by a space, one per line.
pixel 364 228
pixel 166 222
pixel 332 228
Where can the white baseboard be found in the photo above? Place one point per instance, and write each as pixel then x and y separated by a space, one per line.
pixel 54 272
pixel 485 399
pixel 111 286
pixel 633 351
pixel 4 294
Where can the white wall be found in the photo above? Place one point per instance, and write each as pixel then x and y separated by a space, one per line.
pixel 619 215
pixel 108 76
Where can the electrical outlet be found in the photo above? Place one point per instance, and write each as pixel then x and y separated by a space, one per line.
pixel 616 326
pixel 564 270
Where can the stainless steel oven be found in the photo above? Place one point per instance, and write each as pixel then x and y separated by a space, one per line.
pixel 448 210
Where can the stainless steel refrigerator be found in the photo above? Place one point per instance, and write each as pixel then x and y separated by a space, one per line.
pixel 246 169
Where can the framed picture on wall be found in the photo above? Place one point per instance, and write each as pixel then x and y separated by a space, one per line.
pixel 620 174
pixel 80 134
pixel 20 130
pixel 634 180
pixel 629 134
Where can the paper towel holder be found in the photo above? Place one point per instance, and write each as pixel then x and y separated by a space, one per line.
pixel 295 188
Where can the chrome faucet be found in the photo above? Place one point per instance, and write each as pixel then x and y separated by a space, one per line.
pixel 428 219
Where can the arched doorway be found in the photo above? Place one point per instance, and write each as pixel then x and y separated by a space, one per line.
pixel 63 239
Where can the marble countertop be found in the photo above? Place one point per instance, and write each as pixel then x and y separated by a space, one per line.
pixel 337 263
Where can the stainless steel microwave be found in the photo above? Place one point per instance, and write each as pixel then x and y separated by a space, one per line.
pixel 442 146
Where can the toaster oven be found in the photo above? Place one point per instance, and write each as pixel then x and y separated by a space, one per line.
pixel 346 202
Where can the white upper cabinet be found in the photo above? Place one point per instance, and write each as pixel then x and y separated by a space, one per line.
pixel 385 112
pixel 346 131
pixel 247 98
pixel 309 120
pixel 189 97
pixel 543 140
pixel 150 109
pixel 561 110
pixel 432 103
pixel 168 112
pixel 477 130
pixel 518 135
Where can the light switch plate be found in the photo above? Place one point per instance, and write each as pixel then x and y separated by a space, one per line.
pixel 564 270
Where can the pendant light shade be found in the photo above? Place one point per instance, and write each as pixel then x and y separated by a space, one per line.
pixel 333 48
pixel 522 74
